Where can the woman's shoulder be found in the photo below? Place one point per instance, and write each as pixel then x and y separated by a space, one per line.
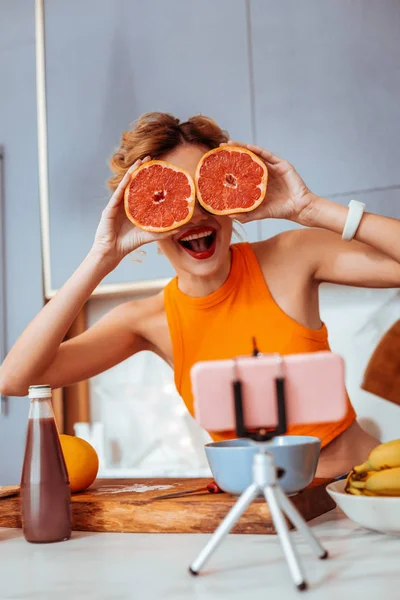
pixel 289 255
pixel 294 245
pixel 281 243
pixel 139 312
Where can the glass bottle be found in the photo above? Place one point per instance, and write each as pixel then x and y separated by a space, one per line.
pixel 45 491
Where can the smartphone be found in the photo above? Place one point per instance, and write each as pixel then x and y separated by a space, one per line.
pixel 314 386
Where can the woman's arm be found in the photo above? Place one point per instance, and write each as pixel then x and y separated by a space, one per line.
pixel 327 258
pixel 372 259
pixel 39 355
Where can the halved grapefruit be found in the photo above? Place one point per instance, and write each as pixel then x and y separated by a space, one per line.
pixel 230 180
pixel 159 197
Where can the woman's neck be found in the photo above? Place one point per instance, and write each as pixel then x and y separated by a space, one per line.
pixel 199 286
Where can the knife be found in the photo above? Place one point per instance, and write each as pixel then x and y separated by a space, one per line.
pixel 211 487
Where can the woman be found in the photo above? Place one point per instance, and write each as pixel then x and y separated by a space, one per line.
pixel 223 294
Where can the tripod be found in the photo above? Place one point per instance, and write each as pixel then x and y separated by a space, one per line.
pixel 265 482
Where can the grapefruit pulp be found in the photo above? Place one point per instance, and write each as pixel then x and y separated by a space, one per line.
pixel 230 180
pixel 159 197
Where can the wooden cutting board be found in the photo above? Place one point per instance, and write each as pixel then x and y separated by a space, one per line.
pixel 131 505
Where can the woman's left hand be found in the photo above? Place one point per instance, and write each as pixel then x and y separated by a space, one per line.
pixel 287 195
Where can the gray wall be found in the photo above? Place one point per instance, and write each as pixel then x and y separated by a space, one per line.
pixel 142 56
pixel 23 283
pixel 317 82
pixel 326 96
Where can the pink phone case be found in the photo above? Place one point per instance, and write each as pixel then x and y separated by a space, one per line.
pixel 314 389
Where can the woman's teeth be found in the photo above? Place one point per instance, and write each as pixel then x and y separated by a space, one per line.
pixel 195 236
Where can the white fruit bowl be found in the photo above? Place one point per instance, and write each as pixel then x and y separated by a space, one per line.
pixel 377 513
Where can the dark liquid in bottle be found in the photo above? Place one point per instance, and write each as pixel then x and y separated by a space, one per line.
pixel 45 492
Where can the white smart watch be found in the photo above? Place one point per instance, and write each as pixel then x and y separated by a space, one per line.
pixel 356 211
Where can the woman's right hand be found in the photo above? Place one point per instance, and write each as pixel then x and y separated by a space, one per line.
pixel 116 236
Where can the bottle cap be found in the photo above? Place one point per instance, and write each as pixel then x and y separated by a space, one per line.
pixel 39 391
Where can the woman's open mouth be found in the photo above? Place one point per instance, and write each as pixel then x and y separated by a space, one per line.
pixel 199 242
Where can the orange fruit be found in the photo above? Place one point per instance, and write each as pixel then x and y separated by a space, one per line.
pixel 81 461
pixel 230 180
pixel 159 197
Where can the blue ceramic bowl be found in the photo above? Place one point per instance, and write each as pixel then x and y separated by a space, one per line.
pixel 231 462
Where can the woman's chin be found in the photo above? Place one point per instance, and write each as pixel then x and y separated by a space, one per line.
pixel 202 264
pixel 203 268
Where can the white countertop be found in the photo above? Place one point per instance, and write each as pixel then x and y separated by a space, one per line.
pixel 99 566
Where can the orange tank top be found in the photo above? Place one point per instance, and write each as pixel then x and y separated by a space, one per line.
pixel 222 324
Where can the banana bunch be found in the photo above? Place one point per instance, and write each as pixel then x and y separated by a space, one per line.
pixel 379 475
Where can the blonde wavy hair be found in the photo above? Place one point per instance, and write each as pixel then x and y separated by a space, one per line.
pixel 155 134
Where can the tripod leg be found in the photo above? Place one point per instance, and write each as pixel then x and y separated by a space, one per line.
pixel 224 527
pixel 283 533
pixel 300 524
